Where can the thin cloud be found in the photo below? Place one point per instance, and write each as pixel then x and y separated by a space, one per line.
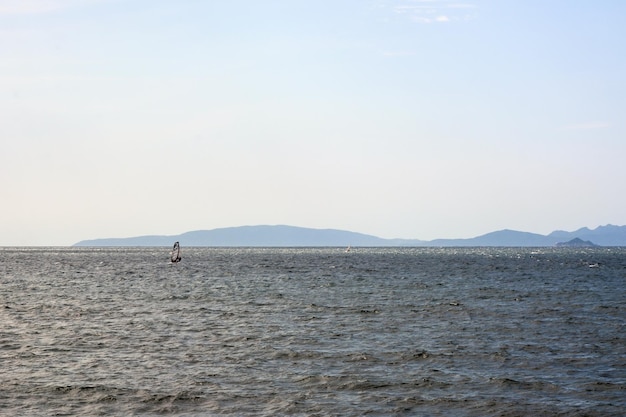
pixel 421 19
pixel 433 11
pixel 12 7
pixel 461 6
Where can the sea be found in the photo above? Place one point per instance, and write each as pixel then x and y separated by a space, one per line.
pixel 313 332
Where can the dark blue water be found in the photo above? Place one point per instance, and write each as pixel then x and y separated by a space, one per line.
pixel 416 332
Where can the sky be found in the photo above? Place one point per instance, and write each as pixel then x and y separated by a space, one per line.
pixel 418 119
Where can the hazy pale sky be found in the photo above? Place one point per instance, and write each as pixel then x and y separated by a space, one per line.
pixel 398 118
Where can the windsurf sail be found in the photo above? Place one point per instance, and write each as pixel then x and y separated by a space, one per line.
pixel 175 257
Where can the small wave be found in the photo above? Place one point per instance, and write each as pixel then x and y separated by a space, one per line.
pixel 534 385
pixel 604 386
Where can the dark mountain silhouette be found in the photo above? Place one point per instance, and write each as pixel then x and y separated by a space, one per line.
pixel 500 238
pixel 257 236
pixel 278 236
pixel 577 243
pixel 287 236
pixel 608 235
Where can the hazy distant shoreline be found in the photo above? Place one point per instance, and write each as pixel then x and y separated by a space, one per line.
pixel 292 236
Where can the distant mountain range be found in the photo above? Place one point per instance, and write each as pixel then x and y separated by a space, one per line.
pixel 288 236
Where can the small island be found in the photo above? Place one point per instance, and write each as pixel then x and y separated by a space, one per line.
pixel 577 243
